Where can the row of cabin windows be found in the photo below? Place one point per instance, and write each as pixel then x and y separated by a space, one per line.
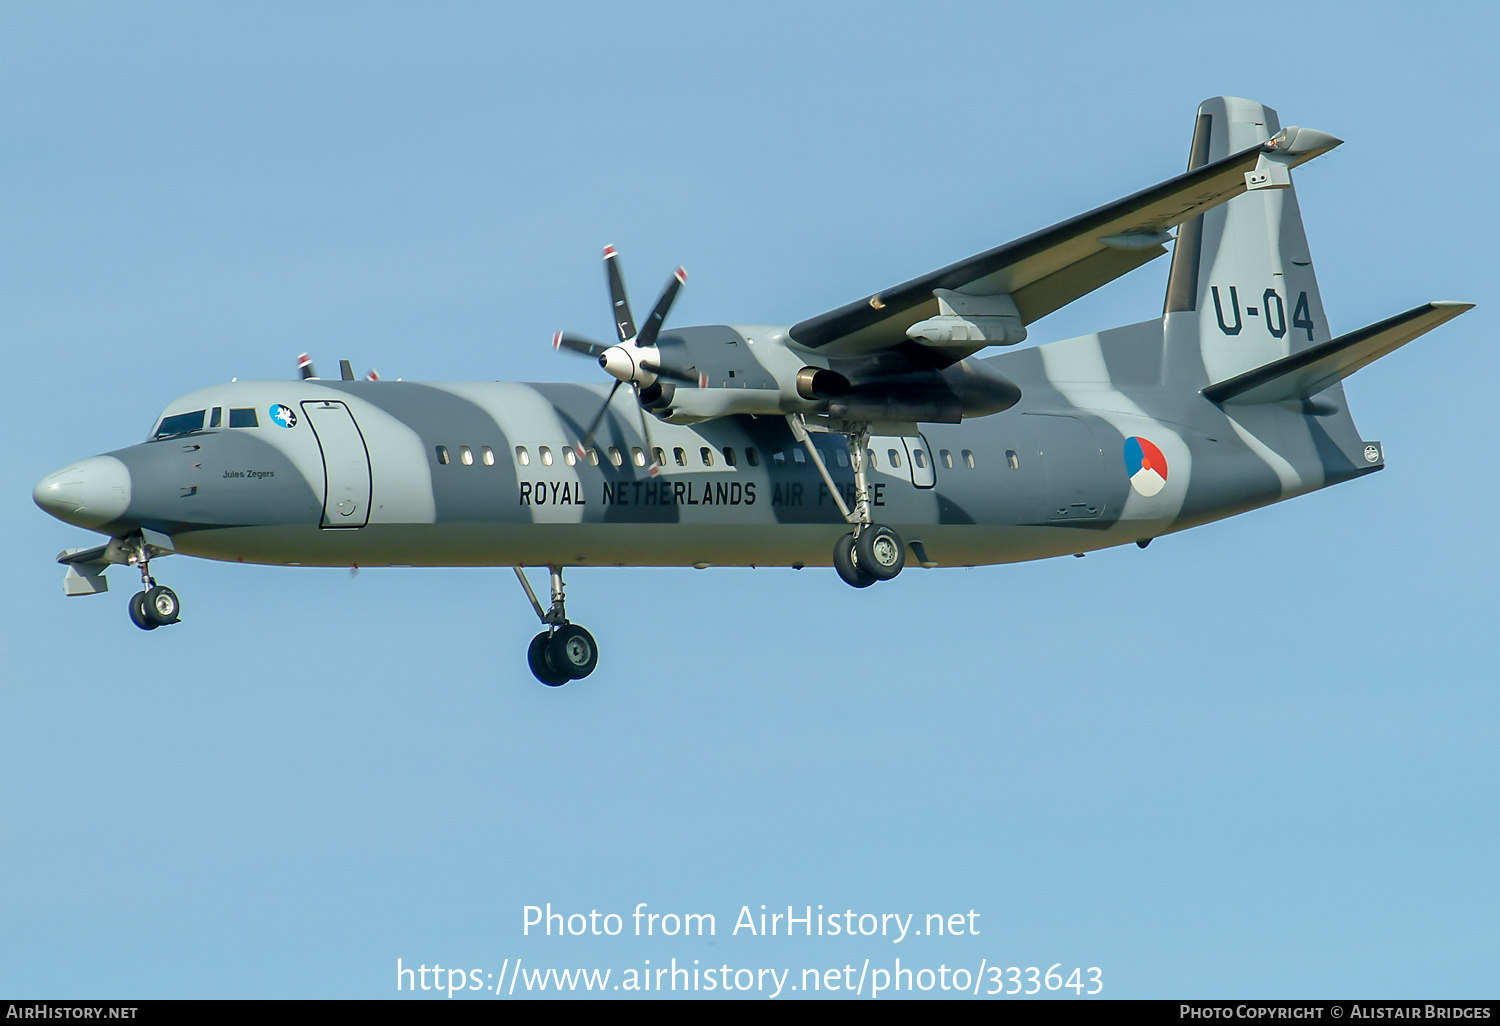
pixel 616 458
pixel 466 455
pixel 572 457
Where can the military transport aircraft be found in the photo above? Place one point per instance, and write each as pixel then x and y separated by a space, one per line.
pixel 861 437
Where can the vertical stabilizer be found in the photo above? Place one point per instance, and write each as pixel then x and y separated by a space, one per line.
pixel 1241 291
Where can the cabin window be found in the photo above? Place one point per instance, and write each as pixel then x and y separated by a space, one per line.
pixel 946 457
pixel 637 455
pixel 442 455
pixel 593 457
pixel 870 455
pixel 466 455
pixel 680 455
pixel 487 455
pixel 895 458
pixel 523 456
pixel 570 457
pixel 216 416
pixel 752 457
pixel 841 456
pixel 729 457
pixel 546 455
pixel 968 455
pixel 1012 459
pixel 615 457
pixel 243 419
pixel 180 424
pixel 799 456
pixel 779 458
pixel 919 458
pixel 707 456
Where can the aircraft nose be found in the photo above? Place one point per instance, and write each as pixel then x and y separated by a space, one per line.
pixel 88 493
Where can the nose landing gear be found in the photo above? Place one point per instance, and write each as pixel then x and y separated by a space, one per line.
pixel 154 605
pixel 564 651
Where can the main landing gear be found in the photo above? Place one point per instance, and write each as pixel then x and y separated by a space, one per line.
pixel 873 552
pixel 154 605
pixel 564 651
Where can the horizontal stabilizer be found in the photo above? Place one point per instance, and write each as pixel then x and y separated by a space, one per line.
pixel 1304 374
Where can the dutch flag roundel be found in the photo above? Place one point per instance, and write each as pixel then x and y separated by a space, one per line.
pixel 1146 466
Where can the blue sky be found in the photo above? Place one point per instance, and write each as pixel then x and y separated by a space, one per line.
pixel 1256 759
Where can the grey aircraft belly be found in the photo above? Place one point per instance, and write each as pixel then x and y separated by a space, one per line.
pixel 861 438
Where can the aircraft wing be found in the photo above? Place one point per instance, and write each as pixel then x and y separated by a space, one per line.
pixel 1024 280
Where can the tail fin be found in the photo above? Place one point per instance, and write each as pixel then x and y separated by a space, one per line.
pixel 1241 291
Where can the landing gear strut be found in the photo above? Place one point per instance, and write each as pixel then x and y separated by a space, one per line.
pixel 564 651
pixel 873 552
pixel 154 605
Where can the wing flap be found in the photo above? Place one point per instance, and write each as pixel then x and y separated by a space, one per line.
pixel 1047 269
pixel 1303 375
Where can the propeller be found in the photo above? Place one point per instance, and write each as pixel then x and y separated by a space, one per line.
pixel 634 360
pixel 306 373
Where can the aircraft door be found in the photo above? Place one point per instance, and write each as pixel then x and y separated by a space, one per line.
pixel 904 456
pixel 919 458
pixel 346 464
pixel 1073 463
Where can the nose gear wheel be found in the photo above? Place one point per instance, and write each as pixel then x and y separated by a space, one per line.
pixel 154 605
pixel 138 614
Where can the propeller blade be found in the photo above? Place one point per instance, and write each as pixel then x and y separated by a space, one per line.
pixel 672 373
pixel 624 323
pixel 305 367
pixel 374 375
pixel 646 435
pixel 588 436
pixel 652 327
pixel 577 344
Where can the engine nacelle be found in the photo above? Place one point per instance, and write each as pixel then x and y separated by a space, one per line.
pixel 755 371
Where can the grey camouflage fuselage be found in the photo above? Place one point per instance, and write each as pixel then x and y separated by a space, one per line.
pixel 476 474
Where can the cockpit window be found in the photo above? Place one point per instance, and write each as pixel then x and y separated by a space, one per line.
pixel 180 424
pixel 243 418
